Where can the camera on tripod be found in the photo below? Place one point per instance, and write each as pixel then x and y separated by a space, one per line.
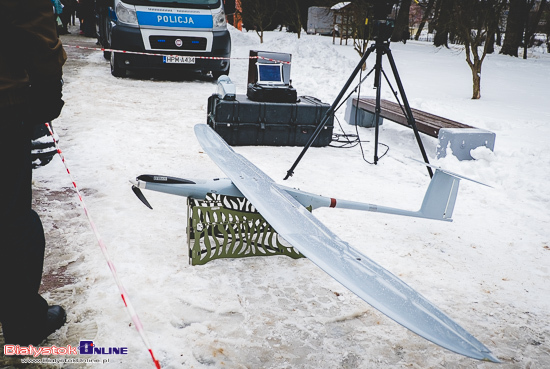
pixel 383 24
pixel 383 28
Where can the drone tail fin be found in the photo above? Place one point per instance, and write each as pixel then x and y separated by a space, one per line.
pixel 440 198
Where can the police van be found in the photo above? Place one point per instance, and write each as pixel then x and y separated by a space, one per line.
pixel 183 31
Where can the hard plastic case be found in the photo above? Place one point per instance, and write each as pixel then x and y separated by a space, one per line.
pixel 243 122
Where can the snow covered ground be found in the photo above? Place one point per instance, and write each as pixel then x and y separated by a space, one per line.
pixel 489 269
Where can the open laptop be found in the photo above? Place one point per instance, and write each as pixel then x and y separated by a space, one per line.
pixel 270 74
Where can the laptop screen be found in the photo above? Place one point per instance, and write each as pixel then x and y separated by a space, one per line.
pixel 271 74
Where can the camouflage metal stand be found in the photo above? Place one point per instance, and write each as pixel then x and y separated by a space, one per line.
pixel 230 227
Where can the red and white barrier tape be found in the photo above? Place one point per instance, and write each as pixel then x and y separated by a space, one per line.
pixel 153 54
pixel 103 248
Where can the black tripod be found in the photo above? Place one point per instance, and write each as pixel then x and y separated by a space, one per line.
pixel 381 47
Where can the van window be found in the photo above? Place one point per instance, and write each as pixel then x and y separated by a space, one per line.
pixel 205 4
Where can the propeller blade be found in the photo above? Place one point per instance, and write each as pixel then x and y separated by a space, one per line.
pixel 140 196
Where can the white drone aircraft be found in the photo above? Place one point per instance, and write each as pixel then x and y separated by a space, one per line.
pixel 285 210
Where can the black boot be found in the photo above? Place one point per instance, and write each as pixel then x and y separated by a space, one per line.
pixel 35 335
pixel 56 319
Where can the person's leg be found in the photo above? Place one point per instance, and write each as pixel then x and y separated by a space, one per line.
pixel 89 25
pixel 23 312
pixel 65 19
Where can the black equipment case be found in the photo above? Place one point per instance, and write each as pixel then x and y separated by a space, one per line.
pixel 286 94
pixel 242 122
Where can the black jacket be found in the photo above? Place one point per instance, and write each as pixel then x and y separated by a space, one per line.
pixel 31 52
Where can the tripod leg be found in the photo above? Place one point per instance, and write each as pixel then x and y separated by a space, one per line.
pixel 330 111
pixel 410 117
pixel 377 86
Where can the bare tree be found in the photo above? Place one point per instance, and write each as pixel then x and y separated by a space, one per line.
pixel 353 21
pixel 443 22
pixel 361 27
pixel 258 15
pixel 495 35
pixel 427 14
pixel 531 25
pixel 474 22
pixel 292 15
pixel 401 30
pixel 514 27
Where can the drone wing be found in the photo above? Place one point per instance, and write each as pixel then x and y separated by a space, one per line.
pixel 358 273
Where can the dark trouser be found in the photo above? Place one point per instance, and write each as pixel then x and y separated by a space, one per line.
pixel 89 25
pixel 66 17
pixel 23 312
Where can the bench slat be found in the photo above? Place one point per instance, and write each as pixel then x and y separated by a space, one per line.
pixel 427 123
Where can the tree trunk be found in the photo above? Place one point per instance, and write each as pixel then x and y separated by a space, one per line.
pixel 526 35
pixel 424 19
pixel 475 22
pixel 474 62
pixel 531 24
pixel 443 24
pixel 476 78
pixel 491 43
pixel 514 28
pixel 401 30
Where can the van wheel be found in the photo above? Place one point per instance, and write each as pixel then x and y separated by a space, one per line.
pixel 217 74
pixel 116 71
pixel 107 55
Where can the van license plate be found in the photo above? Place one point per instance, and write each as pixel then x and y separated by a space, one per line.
pixel 175 59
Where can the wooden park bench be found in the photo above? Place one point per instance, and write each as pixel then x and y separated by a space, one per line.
pixel 427 123
pixel 461 137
